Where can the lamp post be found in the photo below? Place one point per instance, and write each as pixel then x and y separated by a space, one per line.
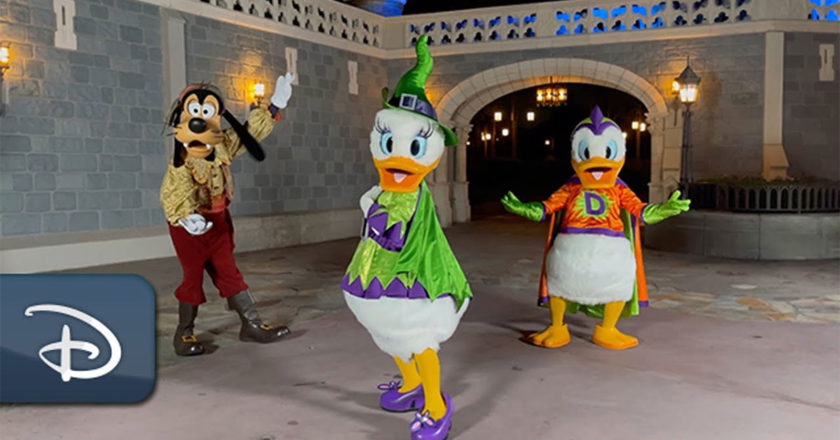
pixel 688 82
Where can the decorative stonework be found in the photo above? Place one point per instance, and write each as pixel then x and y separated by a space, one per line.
pixel 324 17
pixel 574 18
pixel 65 36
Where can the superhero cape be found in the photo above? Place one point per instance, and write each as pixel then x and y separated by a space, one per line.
pixel 640 298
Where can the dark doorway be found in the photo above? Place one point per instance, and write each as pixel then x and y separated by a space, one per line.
pixel 532 157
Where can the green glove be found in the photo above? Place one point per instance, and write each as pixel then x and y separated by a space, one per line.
pixel 533 211
pixel 655 213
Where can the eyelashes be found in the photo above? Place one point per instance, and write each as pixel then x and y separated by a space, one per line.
pixel 381 127
pixel 427 131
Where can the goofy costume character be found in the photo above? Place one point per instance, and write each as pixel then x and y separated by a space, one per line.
pixel 594 264
pixel 196 191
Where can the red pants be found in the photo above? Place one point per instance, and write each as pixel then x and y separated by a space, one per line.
pixel 212 251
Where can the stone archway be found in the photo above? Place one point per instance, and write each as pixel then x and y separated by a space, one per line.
pixel 461 103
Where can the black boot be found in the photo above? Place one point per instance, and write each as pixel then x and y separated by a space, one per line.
pixel 184 341
pixel 253 329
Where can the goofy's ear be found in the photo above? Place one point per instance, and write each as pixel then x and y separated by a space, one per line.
pixel 174 113
pixel 247 140
pixel 179 154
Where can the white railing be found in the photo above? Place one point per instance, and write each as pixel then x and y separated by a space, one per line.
pixel 549 20
pixel 321 16
pixel 577 17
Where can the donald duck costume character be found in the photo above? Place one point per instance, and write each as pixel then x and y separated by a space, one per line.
pixel 594 263
pixel 404 284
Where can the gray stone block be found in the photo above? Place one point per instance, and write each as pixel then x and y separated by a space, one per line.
pixel 80 74
pixel 64 201
pixel 70 181
pixel 131 34
pixel 107 95
pixel 84 26
pixel 97 11
pixel 93 145
pixel 42 162
pixel 150 180
pixel 128 163
pixel 67 145
pixel 78 162
pixel 55 222
pixel 22 182
pixel 33 125
pixel 84 93
pixel 81 58
pixel 83 221
pixel 106 162
pixel 20 224
pixel 11 202
pixel 128 5
pixel 15 143
pixel 45 181
pixel 117 219
pixel 96 181
pixel 39 35
pixel 99 200
pixel 131 199
pixel 132 80
pixel 34 69
pixel 38 202
pixel 121 181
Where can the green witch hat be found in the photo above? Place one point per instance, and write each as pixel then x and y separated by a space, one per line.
pixel 410 93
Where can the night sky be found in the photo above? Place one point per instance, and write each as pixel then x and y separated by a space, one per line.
pixel 423 6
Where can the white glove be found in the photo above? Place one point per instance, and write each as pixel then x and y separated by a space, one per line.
pixel 369 198
pixel 195 224
pixel 282 90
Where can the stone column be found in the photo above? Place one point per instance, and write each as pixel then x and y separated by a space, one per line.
pixel 440 187
pixel 460 189
pixel 665 149
pixel 774 163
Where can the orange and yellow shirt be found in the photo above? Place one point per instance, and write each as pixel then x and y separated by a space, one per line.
pixel 593 211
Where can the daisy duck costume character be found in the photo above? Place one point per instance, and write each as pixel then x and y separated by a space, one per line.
pixel 594 263
pixel 403 283
pixel 196 191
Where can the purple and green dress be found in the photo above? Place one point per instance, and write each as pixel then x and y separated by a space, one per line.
pixel 404 284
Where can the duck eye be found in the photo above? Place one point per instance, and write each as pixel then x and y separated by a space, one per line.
pixel 583 149
pixel 418 147
pixel 386 143
pixel 208 110
pixel 612 149
pixel 194 108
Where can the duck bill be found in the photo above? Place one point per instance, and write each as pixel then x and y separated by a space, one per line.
pixel 401 174
pixel 597 172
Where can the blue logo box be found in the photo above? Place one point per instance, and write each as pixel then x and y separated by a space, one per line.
pixel 76 338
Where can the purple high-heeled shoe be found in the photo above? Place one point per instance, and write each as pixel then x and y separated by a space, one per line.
pixel 395 401
pixel 424 427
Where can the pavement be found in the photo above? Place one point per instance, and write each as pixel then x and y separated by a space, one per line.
pixel 729 350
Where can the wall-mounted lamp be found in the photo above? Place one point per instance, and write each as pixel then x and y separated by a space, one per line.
pixel 5 60
pixel 497 116
pixel 624 134
pixel 529 116
pixel 505 132
pixel 259 93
